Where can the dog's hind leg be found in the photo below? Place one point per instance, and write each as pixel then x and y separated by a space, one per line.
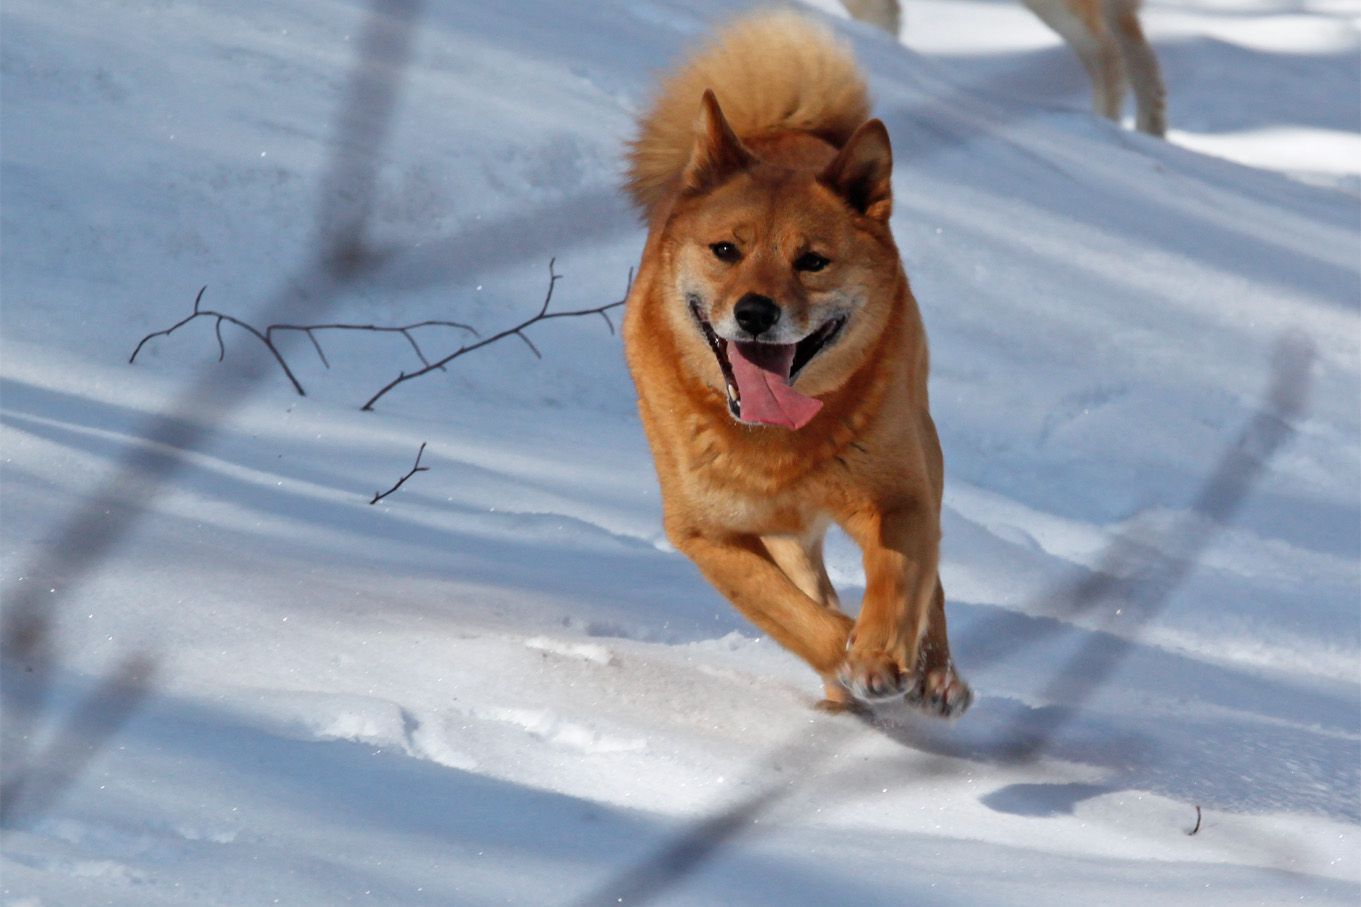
pixel 1080 23
pixel 800 557
pixel 1141 64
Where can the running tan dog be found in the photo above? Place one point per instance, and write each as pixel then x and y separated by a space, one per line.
pixel 780 359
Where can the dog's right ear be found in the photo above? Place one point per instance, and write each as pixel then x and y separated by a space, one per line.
pixel 717 154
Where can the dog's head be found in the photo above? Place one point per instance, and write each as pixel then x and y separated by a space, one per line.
pixel 780 279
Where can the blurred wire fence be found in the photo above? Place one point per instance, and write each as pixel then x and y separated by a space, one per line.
pixel 31 779
pixel 1133 583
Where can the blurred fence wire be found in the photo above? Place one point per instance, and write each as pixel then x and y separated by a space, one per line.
pixel 31 779
pixel 1136 577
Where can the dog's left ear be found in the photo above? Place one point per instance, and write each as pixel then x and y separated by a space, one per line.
pixel 862 172
pixel 718 153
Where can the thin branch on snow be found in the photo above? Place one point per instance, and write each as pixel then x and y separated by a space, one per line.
pixel 217 330
pixel 1197 828
pixel 267 335
pixel 405 330
pixel 378 496
pixel 516 331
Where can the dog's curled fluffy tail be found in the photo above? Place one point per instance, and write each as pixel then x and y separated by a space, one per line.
pixel 771 72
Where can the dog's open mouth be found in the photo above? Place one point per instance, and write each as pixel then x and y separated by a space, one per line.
pixel 758 376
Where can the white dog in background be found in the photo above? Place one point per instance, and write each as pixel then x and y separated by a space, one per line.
pixel 1107 37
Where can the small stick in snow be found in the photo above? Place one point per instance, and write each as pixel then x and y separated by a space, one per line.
pixel 1197 828
pixel 414 469
pixel 217 331
pixel 516 331
pixel 266 335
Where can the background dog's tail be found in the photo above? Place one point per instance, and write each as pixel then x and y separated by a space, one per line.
pixel 771 71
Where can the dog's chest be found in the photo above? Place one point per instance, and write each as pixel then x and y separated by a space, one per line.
pixel 743 497
pixel 783 515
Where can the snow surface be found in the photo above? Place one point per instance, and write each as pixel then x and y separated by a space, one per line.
pixel 500 684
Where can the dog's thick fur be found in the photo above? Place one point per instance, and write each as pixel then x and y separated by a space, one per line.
pixel 759 173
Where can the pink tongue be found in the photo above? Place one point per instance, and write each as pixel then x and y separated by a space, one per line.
pixel 762 374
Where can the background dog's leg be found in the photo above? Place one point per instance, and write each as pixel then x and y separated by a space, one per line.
pixel 1141 64
pixel 743 569
pixel 886 14
pixel 901 548
pixel 1081 24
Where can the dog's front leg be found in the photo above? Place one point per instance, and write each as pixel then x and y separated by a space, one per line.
pixel 741 568
pixel 901 549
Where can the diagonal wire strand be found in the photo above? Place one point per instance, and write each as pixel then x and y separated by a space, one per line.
pixel 1151 576
pixel 92 533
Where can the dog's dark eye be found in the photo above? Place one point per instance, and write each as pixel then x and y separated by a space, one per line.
pixel 725 251
pixel 810 261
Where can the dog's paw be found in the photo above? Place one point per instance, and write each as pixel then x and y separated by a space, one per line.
pixel 941 693
pixel 846 706
pixel 871 676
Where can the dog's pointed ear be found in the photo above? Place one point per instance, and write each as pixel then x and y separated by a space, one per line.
pixel 718 153
pixel 862 173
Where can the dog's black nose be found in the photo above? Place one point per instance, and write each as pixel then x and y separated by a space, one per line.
pixel 756 313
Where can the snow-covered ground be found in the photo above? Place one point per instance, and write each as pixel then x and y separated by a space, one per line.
pixel 499 684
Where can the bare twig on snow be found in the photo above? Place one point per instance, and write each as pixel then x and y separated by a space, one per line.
pixel 378 496
pixel 266 335
pixel 517 331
